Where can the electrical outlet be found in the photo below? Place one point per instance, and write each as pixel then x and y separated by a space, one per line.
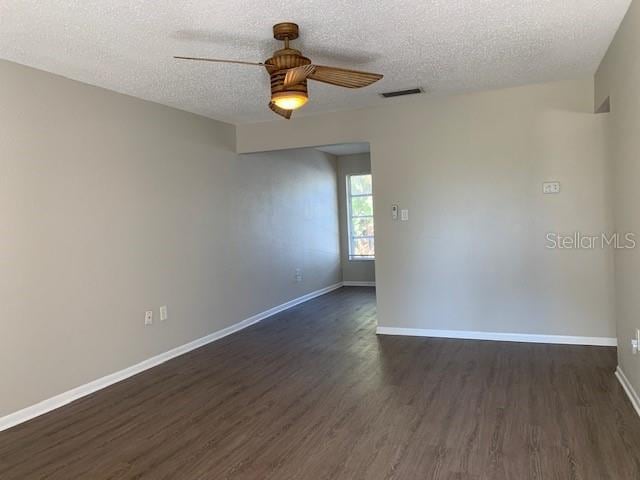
pixel 148 317
pixel 298 275
pixel 635 342
pixel 164 313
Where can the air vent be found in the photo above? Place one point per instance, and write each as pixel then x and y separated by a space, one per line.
pixel 401 93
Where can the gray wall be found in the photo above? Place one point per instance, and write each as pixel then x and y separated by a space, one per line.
pixel 110 206
pixel 352 270
pixel 470 170
pixel 619 78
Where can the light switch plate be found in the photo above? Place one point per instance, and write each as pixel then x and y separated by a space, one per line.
pixel 394 212
pixel 164 313
pixel 404 215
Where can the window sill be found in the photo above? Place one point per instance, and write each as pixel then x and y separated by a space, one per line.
pixel 362 259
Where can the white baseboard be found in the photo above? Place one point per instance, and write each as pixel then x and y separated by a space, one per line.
pixel 91 387
pixel 349 283
pixel 502 337
pixel 628 388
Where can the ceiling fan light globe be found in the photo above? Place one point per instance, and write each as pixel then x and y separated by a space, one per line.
pixel 290 100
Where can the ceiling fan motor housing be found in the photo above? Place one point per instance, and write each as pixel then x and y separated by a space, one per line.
pixel 285 59
pixel 282 61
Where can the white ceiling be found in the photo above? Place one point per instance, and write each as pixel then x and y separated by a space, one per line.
pixel 345 148
pixel 445 46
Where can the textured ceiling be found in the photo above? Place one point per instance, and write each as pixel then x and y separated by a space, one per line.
pixel 445 46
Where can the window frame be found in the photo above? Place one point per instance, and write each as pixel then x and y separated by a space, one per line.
pixel 350 237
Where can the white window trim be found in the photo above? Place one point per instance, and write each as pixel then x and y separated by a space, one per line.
pixel 350 257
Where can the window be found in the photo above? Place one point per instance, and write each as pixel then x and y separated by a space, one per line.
pixel 360 213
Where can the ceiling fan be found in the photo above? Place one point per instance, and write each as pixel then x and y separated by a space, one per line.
pixel 289 71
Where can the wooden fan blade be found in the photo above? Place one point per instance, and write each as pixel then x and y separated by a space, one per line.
pixel 298 74
pixel 342 77
pixel 259 64
pixel 280 111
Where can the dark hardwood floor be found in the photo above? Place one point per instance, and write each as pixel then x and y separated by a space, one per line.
pixel 313 394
